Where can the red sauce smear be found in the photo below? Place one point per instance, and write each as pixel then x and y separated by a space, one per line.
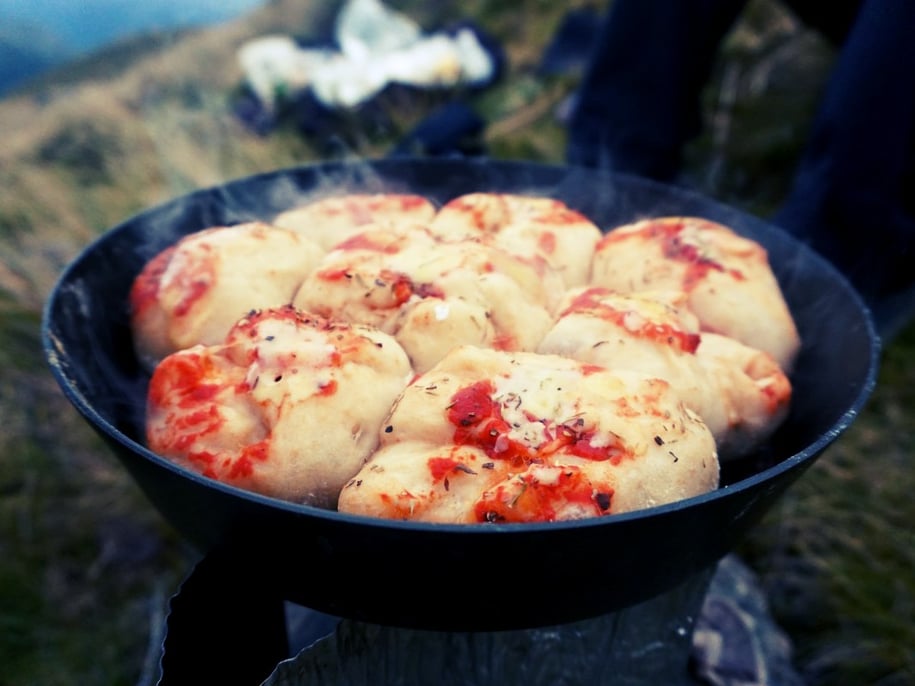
pixel 410 202
pixel 504 341
pixel 401 506
pixel 204 460
pixel 335 274
pixel 478 421
pixel 145 288
pixel 181 386
pixel 362 209
pixel 328 388
pixel 195 279
pixel 243 465
pixel 401 285
pixel 534 501
pixel 187 427
pixel 776 395
pixel 478 212
pixel 535 262
pixel 546 242
pixel 559 214
pixel 590 301
pixel 362 241
pixel 673 247
pixel 183 375
pixel 440 467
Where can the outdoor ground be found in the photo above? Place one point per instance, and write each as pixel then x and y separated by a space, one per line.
pixel 86 566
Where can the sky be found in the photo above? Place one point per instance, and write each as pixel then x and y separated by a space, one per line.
pixel 82 25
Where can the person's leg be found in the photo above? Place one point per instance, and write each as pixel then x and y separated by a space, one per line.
pixel 851 199
pixel 639 101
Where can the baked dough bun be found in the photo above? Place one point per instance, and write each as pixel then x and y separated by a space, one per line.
pixel 289 406
pixel 728 279
pixel 526 226
pixel 194 291
pixel 331 220
pixel 433 295
pixel 493 436
pixel 740 392
pixel 754 388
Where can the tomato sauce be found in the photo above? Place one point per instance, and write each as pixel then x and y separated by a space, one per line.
pixel 477 213
pixel 145 289
pixel 328 388
pixel 698 265
pixel 360 210
pixel 204 460
pixel 560 215
pixel 361 241
pixel 410 202
pixel 504 341
pixel 401 285
pixel 589 301
pixel 546 242
pixel 335 274
pixel 478 422
pixel 528 499
pixel 440 467
pixel 181 385
pixel 243 465
pixel 195 279
pixel 183 374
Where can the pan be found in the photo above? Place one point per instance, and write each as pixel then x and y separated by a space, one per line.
pixel 454 577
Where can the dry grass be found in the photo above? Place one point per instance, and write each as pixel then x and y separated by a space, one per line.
pixel 86 566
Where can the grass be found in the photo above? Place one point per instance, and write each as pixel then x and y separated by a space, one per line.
pixel 837 554
pixel 86 566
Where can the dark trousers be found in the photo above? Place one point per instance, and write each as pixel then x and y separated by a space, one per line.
pixel 853 196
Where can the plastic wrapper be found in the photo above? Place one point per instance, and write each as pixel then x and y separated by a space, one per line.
pixel 377 47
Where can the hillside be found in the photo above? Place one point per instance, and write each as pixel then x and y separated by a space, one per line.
pixel 86 567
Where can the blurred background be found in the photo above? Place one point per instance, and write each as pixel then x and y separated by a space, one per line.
pixel 39 35
pixel 109 107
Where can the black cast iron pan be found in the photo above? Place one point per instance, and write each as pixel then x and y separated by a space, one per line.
pixel 471 577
